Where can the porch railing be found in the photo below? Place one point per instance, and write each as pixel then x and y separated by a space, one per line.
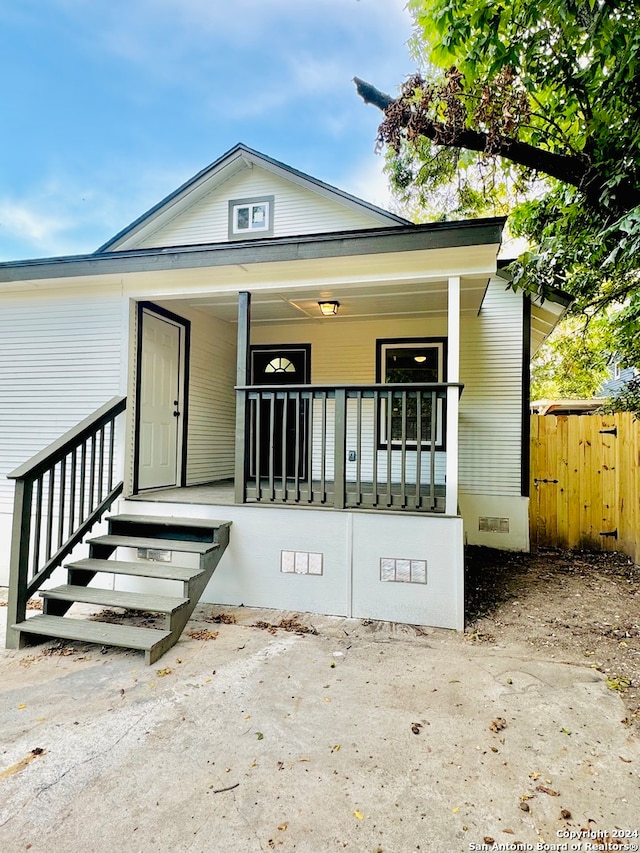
pixel 60 493
pixel 370 446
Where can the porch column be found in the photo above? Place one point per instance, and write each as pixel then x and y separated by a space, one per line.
pixel 243 375
pixel 453 394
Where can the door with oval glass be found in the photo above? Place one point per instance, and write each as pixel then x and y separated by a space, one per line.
pixel 280 423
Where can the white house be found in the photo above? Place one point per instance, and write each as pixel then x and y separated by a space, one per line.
pixel 346 388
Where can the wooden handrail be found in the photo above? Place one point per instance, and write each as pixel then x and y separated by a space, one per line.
pixel 76 472
pixel 377 386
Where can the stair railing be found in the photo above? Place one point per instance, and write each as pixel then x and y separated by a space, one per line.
pixel 60 493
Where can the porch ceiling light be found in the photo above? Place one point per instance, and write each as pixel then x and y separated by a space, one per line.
pixel 329 307
pixel 419 358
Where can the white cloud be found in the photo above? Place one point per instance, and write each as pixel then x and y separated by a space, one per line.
pixel 18 220
pixel 369 182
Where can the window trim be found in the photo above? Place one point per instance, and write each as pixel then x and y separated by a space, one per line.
pixel 250 233
pixel 384 344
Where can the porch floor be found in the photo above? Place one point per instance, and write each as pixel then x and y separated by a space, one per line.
pixel 222 493
pixel 219 493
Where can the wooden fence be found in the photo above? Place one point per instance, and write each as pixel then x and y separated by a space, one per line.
pixel 585 489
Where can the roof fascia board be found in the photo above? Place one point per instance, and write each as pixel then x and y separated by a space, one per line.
pixel 309 247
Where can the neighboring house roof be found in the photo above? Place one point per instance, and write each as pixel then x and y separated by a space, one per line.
pixel 211 178
pixel 565 407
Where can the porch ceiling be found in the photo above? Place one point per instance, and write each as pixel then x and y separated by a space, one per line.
pixel 357 301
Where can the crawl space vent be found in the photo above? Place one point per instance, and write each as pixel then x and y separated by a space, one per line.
pixel 300 563
pixel 493 525
pixel 402 570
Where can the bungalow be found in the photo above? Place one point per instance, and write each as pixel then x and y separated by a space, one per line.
pixel 315 397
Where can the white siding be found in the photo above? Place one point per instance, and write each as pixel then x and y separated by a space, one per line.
pixel 211 414
pixel 343 351
pixel 297 211
pixel 60 359
pixel 490 369
pixel 211 425
pixel 491 404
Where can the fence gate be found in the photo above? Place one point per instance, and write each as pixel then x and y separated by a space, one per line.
pixel 584 482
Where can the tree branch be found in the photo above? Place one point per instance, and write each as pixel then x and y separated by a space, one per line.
pixel 568 168
pixel 371 95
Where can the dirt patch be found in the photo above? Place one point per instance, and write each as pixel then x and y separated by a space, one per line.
pixel 579 606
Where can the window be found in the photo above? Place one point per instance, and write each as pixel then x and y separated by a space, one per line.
pixel 251 217
pixel 402 362
pixel 280 365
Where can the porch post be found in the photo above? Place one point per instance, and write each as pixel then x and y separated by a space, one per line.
pixel 243 375
pixel 19 571
pixel 453 394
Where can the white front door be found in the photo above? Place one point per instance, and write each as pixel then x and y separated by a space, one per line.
pixel 160 402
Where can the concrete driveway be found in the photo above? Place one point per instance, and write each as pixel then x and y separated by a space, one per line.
pixel 362 737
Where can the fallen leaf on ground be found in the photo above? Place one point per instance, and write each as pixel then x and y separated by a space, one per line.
pixel 162 672
pixel 498 724
pixel 359 815
pixel 283 826
pixel 203 634
pixel 544 790
pixel 565 814
pixel 619 683
pixel 415 728
pixel 222 618
pixel 535 776
pixel 259 735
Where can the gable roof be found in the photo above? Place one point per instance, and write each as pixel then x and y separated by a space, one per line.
pixel 238 158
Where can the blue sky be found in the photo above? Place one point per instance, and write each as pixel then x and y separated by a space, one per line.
pixel 109 105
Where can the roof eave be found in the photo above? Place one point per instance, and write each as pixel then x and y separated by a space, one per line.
pixel 306 247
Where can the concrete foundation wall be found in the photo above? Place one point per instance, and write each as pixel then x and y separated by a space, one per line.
pixel 496 521
pixel 376 565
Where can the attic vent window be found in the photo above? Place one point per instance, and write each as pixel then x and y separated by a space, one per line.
pixel 250 217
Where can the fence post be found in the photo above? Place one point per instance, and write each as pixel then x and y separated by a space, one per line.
pixel 19 566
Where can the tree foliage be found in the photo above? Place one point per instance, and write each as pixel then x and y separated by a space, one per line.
pixel 528 91
pixel 586 347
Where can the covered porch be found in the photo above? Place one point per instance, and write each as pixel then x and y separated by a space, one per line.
pixel 386 444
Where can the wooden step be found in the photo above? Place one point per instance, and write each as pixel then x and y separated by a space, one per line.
pixel 152 642
pixel 116 598
pixel 142 569
pixel 170 521
pixel 184 546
